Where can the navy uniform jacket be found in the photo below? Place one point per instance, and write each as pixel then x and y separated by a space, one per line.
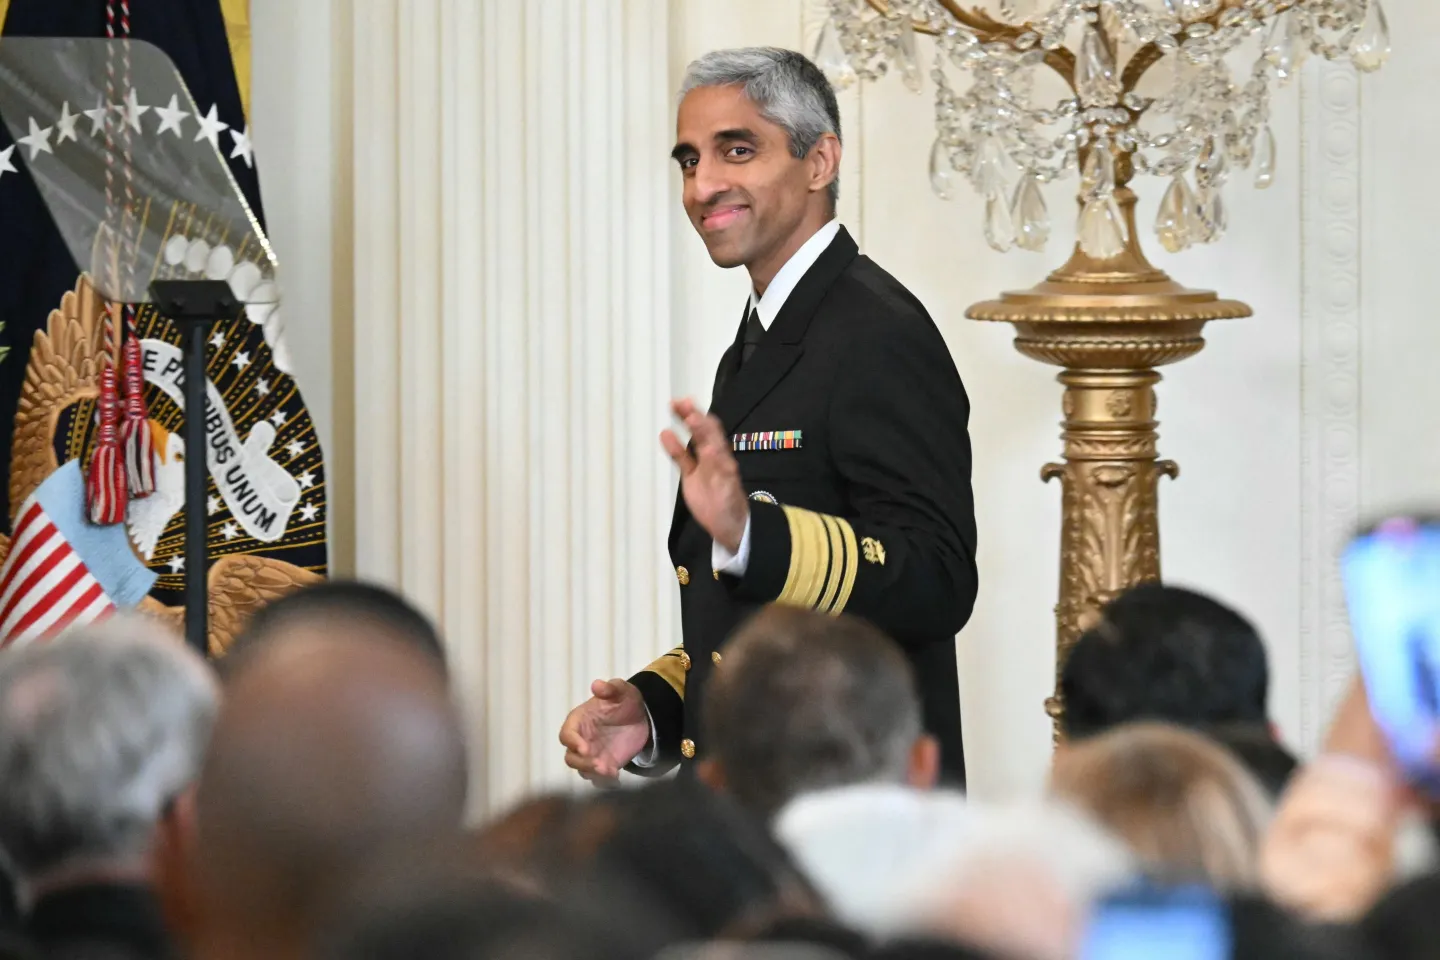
pixel 859 490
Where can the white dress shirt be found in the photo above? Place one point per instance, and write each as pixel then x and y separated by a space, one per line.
pixel 768 307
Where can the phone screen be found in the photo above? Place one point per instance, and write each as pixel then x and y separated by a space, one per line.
pixel 1392 587
pixel 1188 923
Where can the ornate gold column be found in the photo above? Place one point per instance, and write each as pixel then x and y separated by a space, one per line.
pixel 1109 324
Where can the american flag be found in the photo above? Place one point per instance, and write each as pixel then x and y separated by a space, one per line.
pixel 62 571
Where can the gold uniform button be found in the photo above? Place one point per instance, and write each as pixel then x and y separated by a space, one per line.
pixel 715 657
pixel 685 660
pixel 687 749
pixel 715 574
pixel 682 575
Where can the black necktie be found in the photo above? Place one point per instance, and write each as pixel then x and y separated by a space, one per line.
pixel 754 332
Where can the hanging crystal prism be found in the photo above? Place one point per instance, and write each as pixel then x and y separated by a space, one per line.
pixel 999 227
pixel 1265 159
pixel 1101 229
pixel 1211 169
pixel 992 167
pixel 1212 213
pixel 908 56
pixel 1172 222
pixel 1031 217
pixel 942 172
pixel 1095 71
pixel 1285 45
pixel 1371 47
pixel 831 59
pixel 1196 228
pixel 1097 178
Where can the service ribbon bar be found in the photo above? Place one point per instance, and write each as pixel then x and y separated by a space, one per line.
pixel 767 440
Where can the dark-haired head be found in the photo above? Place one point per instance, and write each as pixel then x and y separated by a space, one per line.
pixel 339 607
pixel 1256 747
pixel 1165 653
pixel 476 922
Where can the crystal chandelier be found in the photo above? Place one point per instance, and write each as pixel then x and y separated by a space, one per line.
pixel 1179 89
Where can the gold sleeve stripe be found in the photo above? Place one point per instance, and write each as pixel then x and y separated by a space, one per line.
pixel 822 561
pixel 820 543
pixel 4 9
pixel 671 669
pixel 837 563
pixel 851 566
pixel 789 594
pixel 808 559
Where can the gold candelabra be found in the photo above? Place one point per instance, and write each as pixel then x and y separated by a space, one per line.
pixel 1109 324
pixel 1108 317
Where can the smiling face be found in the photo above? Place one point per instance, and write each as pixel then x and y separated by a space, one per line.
pixel 751 200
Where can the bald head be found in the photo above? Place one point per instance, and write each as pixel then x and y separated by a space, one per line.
pixel 328 752
pixel 345 608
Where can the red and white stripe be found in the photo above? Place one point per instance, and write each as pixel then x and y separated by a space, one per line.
pixel 44 585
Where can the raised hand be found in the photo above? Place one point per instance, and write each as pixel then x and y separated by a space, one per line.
pixel 607 731
pixel 709 475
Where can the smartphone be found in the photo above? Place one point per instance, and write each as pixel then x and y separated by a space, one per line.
pixel 1392 587
pixel 1160 923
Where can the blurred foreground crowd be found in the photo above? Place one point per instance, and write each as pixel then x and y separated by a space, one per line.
pixel 310 802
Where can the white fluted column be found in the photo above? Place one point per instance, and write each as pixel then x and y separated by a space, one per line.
pixel 511 330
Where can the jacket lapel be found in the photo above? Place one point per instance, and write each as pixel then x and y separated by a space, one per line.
pixel 784 342
pixel 737 391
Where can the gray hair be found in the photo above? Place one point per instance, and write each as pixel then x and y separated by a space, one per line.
pixel 790 91
pixel 99 730
pixel 805 701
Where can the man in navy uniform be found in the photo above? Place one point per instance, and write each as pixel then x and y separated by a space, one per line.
pixel 832 471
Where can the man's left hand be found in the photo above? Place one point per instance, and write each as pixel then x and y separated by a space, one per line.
pixel 709 475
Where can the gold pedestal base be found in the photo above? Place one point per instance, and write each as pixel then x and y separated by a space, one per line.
pixel 1109 323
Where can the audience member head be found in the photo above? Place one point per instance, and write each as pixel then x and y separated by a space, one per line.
pixel 342 608
pixel 1258 750
pixel 807 701
pixel 701 864
pixel 330 751
pixel 101 732
pixel 896 862
pixel 1169 654
pixel 475 921
pixel 528 845
pixel 1187 809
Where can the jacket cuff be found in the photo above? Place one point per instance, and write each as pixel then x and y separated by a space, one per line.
pixel 667 713
pixel 768 564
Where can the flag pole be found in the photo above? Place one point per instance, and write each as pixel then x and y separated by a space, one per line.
pixel 194 306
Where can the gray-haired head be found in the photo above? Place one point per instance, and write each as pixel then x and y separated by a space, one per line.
pixel 99 731
pixel 790 91
pixel 805 702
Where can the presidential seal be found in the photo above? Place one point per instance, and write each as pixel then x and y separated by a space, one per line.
pixel 266 497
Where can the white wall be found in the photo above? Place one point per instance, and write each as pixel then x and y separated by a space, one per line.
pixel 299 126
pixel 1286 427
